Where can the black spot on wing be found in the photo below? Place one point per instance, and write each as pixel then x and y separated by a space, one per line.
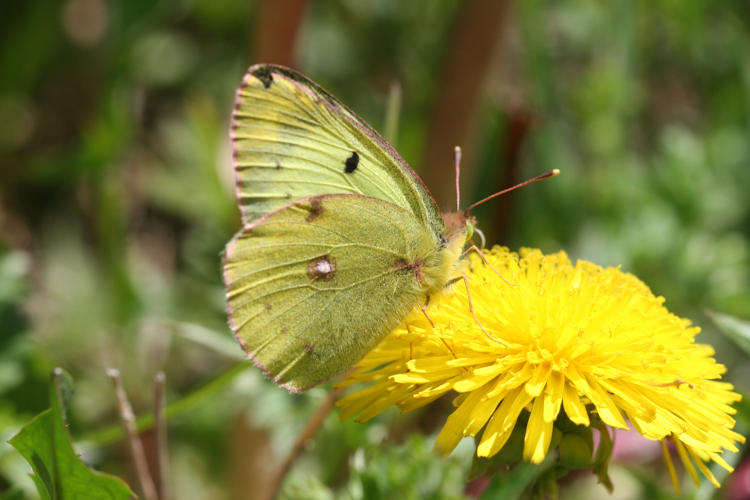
pixel 351 163
pixel 264 75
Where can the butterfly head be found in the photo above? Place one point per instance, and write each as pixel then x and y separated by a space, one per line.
pixel 460 228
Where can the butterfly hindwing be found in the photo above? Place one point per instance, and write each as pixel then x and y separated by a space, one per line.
pixel 292 140
pixel 309 306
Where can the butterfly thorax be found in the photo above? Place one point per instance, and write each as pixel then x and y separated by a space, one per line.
pixel 445 263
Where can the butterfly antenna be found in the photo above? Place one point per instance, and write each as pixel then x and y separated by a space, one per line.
pixel 457 152
pixel 539 177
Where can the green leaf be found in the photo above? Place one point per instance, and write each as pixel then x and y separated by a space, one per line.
pixel 58 472
pixel 734 328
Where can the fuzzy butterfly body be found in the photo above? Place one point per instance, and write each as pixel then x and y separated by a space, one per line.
pixel 340 240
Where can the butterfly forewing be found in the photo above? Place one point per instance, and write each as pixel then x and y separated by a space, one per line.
pixel 308 307
pixel 292 140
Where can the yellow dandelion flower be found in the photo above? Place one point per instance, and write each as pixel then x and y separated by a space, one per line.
pixel 578 338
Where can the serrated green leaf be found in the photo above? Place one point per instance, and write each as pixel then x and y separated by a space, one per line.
pixel 734 328
pixel 58 472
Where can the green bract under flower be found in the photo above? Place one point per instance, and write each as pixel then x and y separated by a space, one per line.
pixel 577 338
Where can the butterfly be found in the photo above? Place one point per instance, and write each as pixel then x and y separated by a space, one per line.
pixel 340 238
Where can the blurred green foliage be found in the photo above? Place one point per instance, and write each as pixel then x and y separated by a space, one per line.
pixel 116 200
pixel 411 469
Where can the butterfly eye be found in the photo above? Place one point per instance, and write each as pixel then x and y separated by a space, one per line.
pixel 469 229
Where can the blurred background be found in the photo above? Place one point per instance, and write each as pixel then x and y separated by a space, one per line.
pixel 116 200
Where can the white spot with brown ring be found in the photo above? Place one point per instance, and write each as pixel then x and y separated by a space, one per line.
pixel 322 268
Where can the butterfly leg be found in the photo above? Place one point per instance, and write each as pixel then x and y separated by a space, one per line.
pixel 484 259
pixel 471 309
pixel 424 311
